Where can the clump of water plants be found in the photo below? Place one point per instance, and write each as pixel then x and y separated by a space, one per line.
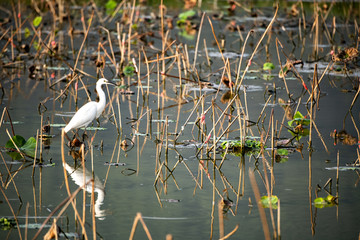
pixel 281 155
pixel 328 201
pixel 265 201
pixel 298 126
pixel 251 146
pixel 7 223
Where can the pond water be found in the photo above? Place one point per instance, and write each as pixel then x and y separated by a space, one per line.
pixel 170 90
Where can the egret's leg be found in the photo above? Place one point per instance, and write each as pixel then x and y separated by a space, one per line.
pixel 84 135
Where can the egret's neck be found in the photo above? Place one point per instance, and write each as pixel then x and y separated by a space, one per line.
pixel 102 100
pixel 102 97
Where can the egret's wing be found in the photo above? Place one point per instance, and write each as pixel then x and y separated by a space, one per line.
pixel 85 115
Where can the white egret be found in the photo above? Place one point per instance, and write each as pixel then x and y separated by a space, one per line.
pixel 90 111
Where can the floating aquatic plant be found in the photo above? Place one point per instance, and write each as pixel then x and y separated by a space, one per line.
pixel 37 21
pixel 298 124
pixel 129 71
pixel 266 201
pixel 281 155
pixel 184 16
pixel 110 6
pixel 329 201
pixel 26 147
pixel 7 223
pixel 237 147
pixel 268 66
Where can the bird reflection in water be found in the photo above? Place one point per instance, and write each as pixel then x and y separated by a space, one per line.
pixel 77 175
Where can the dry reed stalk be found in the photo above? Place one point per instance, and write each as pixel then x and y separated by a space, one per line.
pixel 198 39
pixel 117 9
pixel 269 186
pixel 278 220
pixel 112 60
pixel 12 211
pixel 121 43
pixel 11 178
pixel 230 233
pixel 319 81
pixel 213 200
pixel 326 32
pixel 26 220
pixel 262 111
pixel 117 144
pixel 192 175
pixel 5 110
pixel 10 39
pixel 223 133
pixel 92 192
pixel 36 145
pixel 119 112
pixel 237 86
pixel 281 66
pixel 180 80
pixel 258 44
pixel 17 148
pixel 221 219
pixel 241 183
pixel 40 188
pixel 139 86
pixel 188 119
pixel 207 53
pixel 130 29
pixel 148 75
pixel 262 214
pixel 34 196
pixel 133 229
pixel 316 27
pixel 337 168
pixel 355 97
pixel 272 142
pixel 310 194
pixel 112 110
pixel 82 150
pixel 83 42
pixel 67 185
pixel 311 105
pixel 41 142
pixel 222 114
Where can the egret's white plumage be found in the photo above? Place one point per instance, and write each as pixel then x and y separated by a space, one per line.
pixel 90 111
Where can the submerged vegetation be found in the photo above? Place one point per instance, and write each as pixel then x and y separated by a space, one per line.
pixel 203 89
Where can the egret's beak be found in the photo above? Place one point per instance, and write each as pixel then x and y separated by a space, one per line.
pixel 110 83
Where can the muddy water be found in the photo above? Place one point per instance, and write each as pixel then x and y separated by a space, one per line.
pixel 185 203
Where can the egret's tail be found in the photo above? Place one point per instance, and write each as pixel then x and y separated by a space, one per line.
pixel 67 128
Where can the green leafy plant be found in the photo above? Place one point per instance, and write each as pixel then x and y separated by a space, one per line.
pixel 298 124
pixel 281 155
pixel 238 147
pixel 268 66
pixel 6 223
pixel 110 6
pixel 129 70
pixel 184 16
pixel 37 21
pixel 329 201
pixel 27 147
pixel 27 32
pixel 265 201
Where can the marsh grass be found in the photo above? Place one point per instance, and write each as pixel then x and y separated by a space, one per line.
pixel 175 70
